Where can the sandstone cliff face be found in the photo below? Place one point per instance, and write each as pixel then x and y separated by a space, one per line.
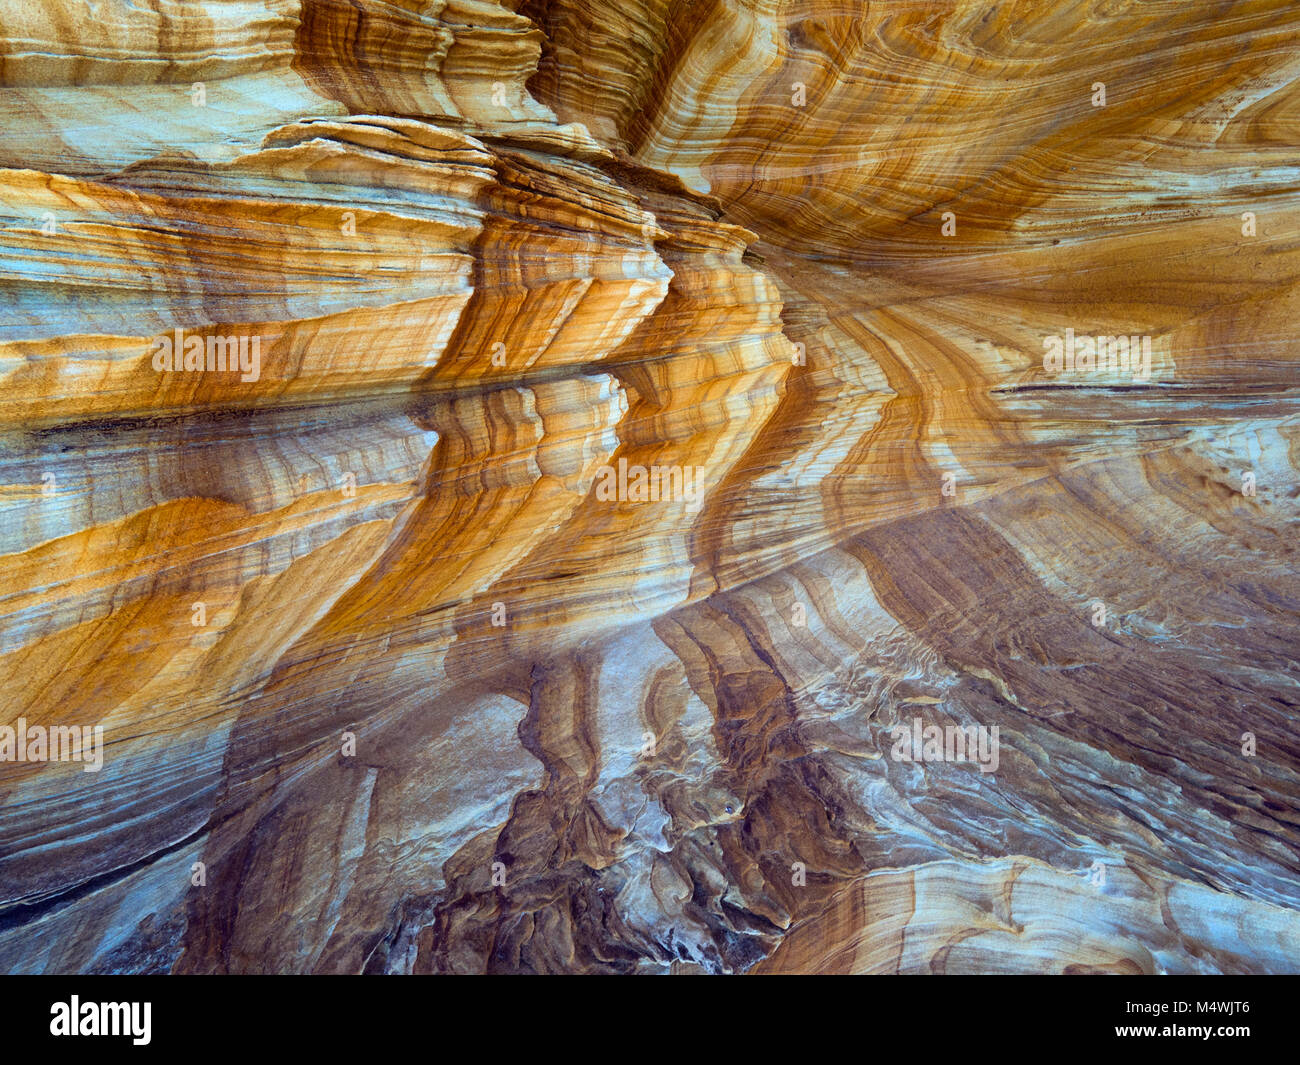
pixel 637 453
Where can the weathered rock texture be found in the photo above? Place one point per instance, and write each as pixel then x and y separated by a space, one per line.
pixel 367 640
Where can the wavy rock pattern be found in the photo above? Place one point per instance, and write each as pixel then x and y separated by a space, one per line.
pixel 387 682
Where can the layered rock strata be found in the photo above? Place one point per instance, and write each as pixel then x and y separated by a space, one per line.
pixel 522 487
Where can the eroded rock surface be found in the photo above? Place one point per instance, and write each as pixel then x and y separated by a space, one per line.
pixel 402 666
